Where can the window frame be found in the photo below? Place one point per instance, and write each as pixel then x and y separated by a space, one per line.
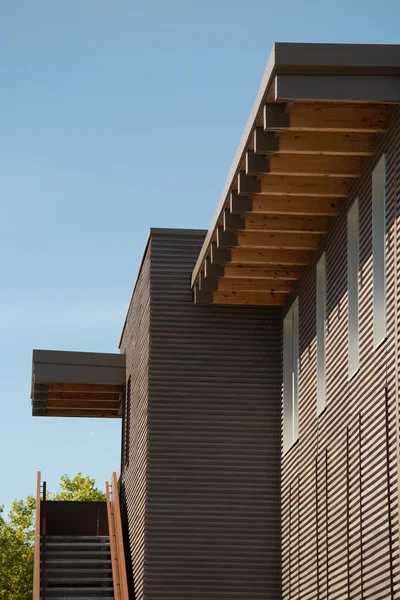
pixel 321 332
pixel 378 194
pixel 291 376
pixel 353 289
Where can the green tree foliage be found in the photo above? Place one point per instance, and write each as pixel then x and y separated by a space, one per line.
pixel 17 535
pixel 79 489
pixel 16 550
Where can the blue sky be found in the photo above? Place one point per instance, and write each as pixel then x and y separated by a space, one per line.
pixel 117 116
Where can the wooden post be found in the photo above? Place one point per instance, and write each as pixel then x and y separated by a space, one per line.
pixel 119 538
pixel 113 545
pixel 36 567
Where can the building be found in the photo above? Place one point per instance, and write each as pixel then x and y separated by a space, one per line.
pixel 258 381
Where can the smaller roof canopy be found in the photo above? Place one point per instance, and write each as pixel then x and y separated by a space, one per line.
pixel 77 384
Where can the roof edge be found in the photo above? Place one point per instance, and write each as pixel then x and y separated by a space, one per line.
pixel 233 171
pixel 301 58
pixel 153 232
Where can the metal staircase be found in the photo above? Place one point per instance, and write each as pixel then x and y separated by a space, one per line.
pixel 79 552
pixel 76 567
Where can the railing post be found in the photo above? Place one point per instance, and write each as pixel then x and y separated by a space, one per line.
pixel 116 542
pixel 113 546
pixel 119 538
pixel 36 564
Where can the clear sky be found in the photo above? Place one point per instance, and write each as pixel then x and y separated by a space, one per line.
pixel 117 116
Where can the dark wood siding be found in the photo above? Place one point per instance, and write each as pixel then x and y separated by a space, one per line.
pixel 339 482
pixel 136 345
pixel 212 447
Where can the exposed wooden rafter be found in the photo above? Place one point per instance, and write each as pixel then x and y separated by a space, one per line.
pixel 300 156
pixel 313 143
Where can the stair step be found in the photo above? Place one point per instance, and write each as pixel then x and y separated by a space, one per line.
pixel 92 562
pixel 76 567
pixel 83 592
pixel 82 572
pixel 77 545
pixel 92 539
pixel 73 578
pixel 87 554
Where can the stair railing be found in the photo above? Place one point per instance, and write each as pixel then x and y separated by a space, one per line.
pixel 36 564
pixel 118 564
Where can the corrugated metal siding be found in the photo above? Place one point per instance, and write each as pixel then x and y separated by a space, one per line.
pixel 202 485
pixel 136 345
pixel 339 483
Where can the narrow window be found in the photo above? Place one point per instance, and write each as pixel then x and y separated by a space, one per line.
pixel 290 375
pixel 321 334
pixel 378 251
pixel 127 421
pixel 352 286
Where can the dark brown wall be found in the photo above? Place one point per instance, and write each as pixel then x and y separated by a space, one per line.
pixel 339 482
pixel 136 345
pixel 212 455
pixel 63 517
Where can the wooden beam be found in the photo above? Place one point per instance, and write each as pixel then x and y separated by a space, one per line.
pixel 294 223
pixel 233 222
pixel 303 165
pixel 212 270
pixel 241 271
pixel 278 240
pixel 239 204
pixel 311 165
pixel 202 297
pixel 332 187
pixel 84 387
pixel 82 396
pixel 253 285
pixel 67 412
pixel 226 239
pixel 207 284
pixel 276 116
pixel 330 117
pixel 265 142
pixel 256 163
pixel 254 256
pixel 248 185
pixel 326 143
pixel 249 298
pixel 295 205
pixel 219 255
pixel 83 405
pixel 337 88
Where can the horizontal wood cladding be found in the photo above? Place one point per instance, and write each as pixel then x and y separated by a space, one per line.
pixel 339 487
pixel 135 343
pixel 213 444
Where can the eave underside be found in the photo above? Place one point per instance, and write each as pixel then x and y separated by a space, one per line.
pixel 306 144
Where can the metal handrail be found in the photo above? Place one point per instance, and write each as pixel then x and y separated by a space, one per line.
pixel 36 567
pixel 118 564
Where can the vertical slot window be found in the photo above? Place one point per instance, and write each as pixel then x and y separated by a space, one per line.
pixel 378 251
pixel 321 334
pixel 127 421
pixel 353 259
pixel 290 375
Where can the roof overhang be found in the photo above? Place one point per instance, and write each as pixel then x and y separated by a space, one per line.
pixel 77 384
pixel 316 115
